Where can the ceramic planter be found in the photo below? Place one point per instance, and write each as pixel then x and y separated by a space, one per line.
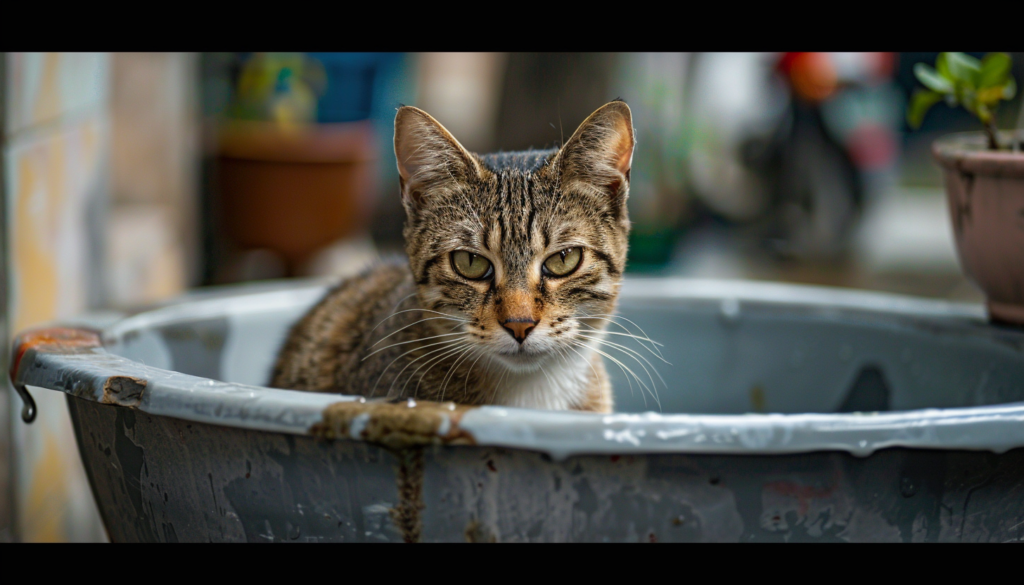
pixel 985 190
pixel 295 190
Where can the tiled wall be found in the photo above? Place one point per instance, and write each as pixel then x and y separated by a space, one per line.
pixel 56 155
pixel 99 190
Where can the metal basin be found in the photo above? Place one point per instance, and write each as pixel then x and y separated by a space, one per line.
pixel 789 413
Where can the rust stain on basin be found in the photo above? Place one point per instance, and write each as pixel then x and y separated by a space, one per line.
pixel 395 426
pixel 123 391
pixel 53 340
pixel 403 429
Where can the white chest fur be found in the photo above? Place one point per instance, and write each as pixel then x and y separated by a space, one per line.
pixel 560 385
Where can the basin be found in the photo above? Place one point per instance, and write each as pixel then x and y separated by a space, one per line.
pixel 787 413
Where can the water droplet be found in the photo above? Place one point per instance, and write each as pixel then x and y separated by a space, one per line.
pixel 729 310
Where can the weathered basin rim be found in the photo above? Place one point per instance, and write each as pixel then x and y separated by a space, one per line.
pixel 86 370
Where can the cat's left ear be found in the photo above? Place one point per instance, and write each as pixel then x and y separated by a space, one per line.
pixel 430 160
pixel 599 154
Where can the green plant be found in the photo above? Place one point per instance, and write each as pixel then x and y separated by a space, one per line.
pixel 963 80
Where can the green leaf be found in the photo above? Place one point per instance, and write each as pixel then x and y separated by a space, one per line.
pixel 920 102
pixel 995 69
pixel 991 95
pixel 942 66
pixel 1010 89
pixel 983 113
pixel 963 68
pixel 970 102
pixel 931 79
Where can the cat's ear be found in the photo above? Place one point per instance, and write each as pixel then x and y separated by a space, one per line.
pixel 430 159
pixel 599 154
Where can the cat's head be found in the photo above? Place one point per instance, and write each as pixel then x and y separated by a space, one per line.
pixel 528 248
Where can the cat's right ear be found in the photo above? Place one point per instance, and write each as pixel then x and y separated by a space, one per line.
pixel 600 153
pixel 430 160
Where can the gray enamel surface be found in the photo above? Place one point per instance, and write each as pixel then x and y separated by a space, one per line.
pixel 170 480
pixel 208 454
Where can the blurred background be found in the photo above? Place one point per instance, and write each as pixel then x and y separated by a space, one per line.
pixel 128 179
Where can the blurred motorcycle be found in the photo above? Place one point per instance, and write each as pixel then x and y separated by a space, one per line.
pixel 794 144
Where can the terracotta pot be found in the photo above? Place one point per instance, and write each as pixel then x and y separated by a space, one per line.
pixel 985 190
pixel 295 190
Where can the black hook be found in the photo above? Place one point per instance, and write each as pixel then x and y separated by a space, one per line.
pixel 28 409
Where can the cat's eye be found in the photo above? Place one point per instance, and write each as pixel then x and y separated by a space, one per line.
pixel 471 266
pixel 564 262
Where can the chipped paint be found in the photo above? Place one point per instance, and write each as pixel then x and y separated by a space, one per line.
pixel 395 426
pixel 123 391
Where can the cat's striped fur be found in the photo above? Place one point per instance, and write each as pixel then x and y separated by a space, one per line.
pixel 521 337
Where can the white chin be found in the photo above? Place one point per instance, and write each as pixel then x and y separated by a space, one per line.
pixel 521 361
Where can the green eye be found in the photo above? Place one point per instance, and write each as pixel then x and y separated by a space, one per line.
pixel 471 266
pixel 564 262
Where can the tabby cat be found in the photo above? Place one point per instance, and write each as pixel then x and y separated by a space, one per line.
pixel 514 266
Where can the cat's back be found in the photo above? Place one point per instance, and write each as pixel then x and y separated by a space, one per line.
pixel 322 350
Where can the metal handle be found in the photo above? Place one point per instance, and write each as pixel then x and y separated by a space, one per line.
pixel 28 409
pixel 46 340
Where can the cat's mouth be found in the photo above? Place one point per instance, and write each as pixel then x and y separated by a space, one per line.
pixel 522 357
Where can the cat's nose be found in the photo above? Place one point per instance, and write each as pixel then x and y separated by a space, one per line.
pixel 519 328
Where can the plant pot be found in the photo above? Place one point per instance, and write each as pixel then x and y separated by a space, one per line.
pixel 295 190
pixel 985 190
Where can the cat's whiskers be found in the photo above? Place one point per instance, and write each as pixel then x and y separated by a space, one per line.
pixel 433 362
pixel 409 341
pixel 451 370
pixel 546 376
pixel 405 298
pixel 582 357
pixel 605 317
pixel 410 325
pixel 501 379
pixel 465 386
pixel 626 370
pixel 452 317
pixel 595 331
pixel 445 348
pixel 629 352
pixel 638 339
pixel 384 371
pixel 642 332
pixel 634 355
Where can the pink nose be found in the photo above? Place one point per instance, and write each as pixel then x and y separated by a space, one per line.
pixel 519 328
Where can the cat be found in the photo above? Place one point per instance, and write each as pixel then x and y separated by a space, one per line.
pixel 514 266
